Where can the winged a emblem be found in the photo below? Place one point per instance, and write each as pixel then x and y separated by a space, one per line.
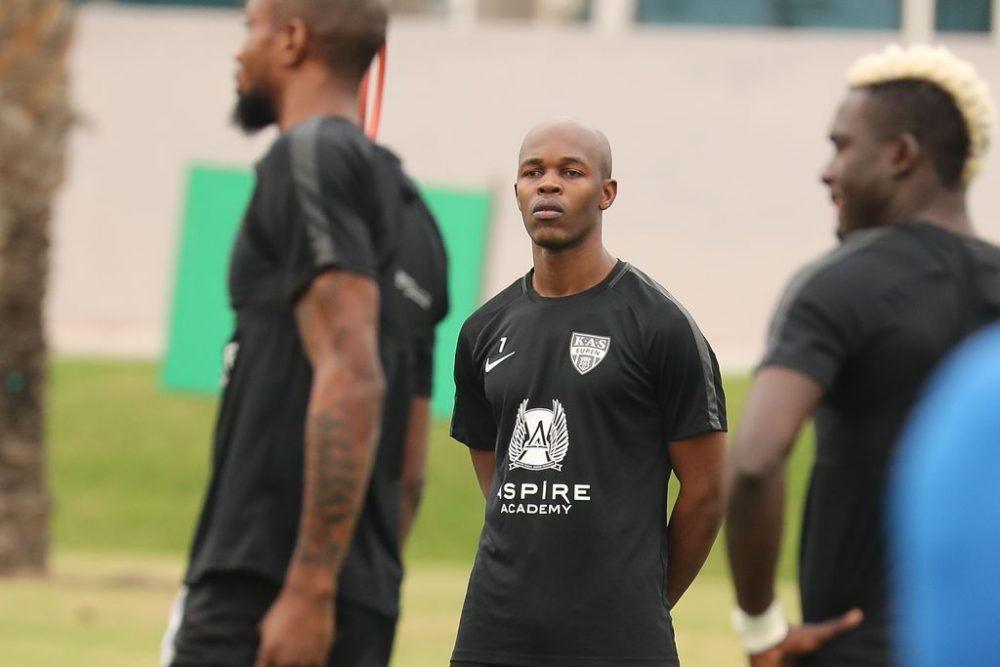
pixel 558 433
pixel 516 448
pixel 540 438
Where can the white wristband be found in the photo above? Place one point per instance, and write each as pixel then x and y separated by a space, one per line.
pixel 761 632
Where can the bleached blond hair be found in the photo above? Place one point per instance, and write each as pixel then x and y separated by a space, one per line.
pixel 956 77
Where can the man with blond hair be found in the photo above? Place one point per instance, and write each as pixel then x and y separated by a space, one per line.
pixel 852 341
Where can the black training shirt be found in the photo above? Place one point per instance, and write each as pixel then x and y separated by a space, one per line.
pixel 578 397
pixel 324 198
pixel 868 322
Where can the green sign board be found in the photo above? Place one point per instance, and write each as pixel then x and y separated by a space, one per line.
pixel 202 321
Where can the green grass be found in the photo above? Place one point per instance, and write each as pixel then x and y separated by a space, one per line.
pixel 107 611
pixel 129 463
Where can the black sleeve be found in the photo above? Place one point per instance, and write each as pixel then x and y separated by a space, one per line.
pixel 332 217
pixel 472 422
pixel 423 367
pixel 688 381
pixel 817 325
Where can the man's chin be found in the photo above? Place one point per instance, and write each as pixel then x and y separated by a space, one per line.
pixel 555 242
pixel 253 111
pixel 844 226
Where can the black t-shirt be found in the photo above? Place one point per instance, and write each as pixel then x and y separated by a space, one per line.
pixel 325 198
pixel 579 397
pixel 868 322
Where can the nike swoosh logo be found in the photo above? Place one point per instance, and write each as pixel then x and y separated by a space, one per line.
pixel 490 365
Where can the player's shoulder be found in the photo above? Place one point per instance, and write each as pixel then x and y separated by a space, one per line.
pixel 853 268
pixel 387 159
pixel 655 315
pixel 323 143
pixel 985 251
pixel 327 131
pixel 389 167
pixel 651 302
pixel 391 175
pixel 421 256
pixel 496 306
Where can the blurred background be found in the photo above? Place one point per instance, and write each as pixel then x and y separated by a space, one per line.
pixel 717 111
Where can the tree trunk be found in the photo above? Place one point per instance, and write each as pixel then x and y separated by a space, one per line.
pixel 35 118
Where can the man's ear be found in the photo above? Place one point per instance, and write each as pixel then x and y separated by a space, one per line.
pixel 608 193
pixel 516 198
pixel 294 43
pixel 904 154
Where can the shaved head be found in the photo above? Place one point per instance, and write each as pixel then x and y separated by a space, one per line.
pixel 564 184
pixel 592 144
pixel 345 33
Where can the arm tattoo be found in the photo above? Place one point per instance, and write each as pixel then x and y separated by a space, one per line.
pixel 342 425
pixel 337 474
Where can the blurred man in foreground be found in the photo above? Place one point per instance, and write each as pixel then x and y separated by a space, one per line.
pixel 336 279
pixel 851 343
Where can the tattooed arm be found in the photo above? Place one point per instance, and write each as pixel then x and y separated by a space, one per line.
pixel 338 324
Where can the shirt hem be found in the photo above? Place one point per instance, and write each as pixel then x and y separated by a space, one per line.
pixel 463 438
pixel 196 574
pixel 520 660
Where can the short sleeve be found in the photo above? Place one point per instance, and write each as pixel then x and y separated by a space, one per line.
pixel 472 422
pixel 423 367
pixel 815 327
pixel 688 383
pixel 332 215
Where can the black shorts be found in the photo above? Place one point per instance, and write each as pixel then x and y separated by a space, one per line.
pixel 219 615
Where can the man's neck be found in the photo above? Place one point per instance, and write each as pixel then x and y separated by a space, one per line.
pixel 314 92
pixel 945 208
pixel 570 271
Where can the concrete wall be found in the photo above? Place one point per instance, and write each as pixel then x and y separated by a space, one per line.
pixel 719 137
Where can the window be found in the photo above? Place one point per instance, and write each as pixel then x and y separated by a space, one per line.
pixel 964 15
pixel 960 15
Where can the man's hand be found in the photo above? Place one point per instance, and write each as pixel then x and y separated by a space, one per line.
pixel 297 631
pixel 804 639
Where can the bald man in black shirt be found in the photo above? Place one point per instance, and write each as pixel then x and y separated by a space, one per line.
pixel 578 389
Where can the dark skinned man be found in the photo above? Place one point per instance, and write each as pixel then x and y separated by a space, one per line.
pixel 323 420
pixel 850 345
pixel 578 389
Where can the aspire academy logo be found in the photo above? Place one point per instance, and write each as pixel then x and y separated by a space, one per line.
pixel 540 442
pixel 540 439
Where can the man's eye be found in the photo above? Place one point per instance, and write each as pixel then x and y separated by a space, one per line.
pixel 572 173
pixel 530 173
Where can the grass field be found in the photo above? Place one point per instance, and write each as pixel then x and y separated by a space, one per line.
pixel 128 463
pixel 109 611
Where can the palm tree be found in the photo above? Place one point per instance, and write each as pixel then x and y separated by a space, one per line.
pixel 35 118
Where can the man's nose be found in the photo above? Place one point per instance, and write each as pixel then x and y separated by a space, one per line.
pixel 549 186
pixel 826 173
